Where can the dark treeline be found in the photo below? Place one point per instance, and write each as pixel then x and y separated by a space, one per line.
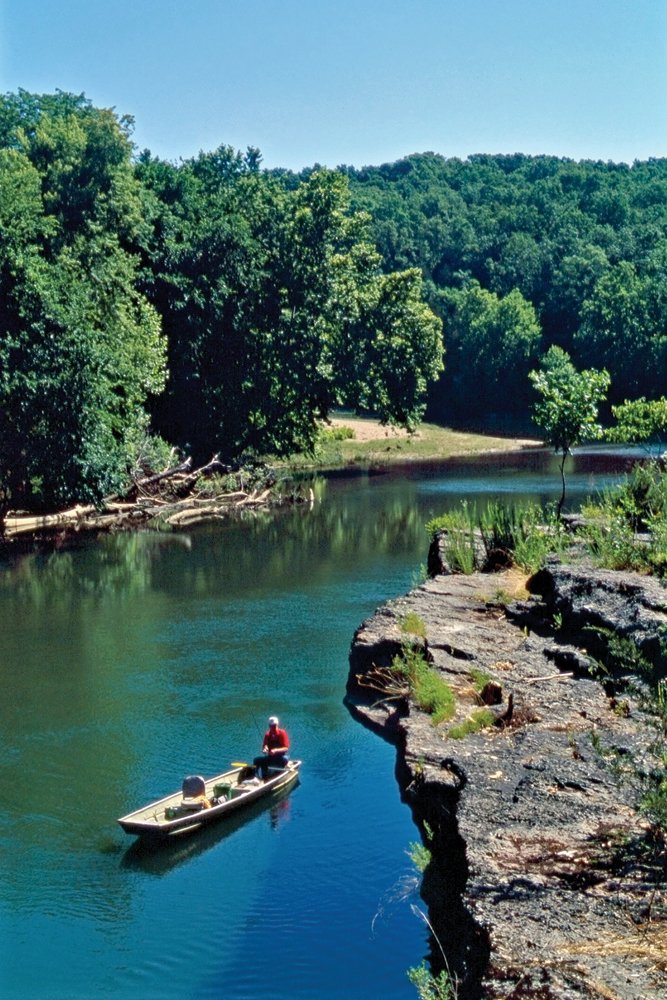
pixel 213 306
pixel 522 252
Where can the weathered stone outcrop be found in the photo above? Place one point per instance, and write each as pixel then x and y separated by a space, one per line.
pixel 540 884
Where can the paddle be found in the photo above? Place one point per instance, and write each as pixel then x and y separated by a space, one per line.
pixel 240 763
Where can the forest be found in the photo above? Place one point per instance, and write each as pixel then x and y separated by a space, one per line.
pixel 521 253
pixel 212 306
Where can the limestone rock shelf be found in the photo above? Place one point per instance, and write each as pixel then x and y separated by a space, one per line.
pixel 542 881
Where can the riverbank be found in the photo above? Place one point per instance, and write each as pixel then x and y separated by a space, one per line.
pixel 181 498
pixel 545 879
pixel 373 443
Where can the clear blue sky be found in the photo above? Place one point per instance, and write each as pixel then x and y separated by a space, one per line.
pixel 356 81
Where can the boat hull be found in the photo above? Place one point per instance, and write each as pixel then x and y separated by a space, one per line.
pixel 167 818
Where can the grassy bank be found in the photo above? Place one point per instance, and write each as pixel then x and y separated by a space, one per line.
pixel 352 440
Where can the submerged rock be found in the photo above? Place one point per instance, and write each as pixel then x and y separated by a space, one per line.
pixel 542 881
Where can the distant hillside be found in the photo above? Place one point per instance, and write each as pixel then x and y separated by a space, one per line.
pixel 582 243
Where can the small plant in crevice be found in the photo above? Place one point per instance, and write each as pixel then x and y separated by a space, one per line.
pixel 442 986
pixel 596 743
pixel 483 718
pixel 419 576
pixel 420 855
pixel 413 624
pixel 654 798
pixel 619 660
pixel 479 679
pixel 614 655
pixel 430 987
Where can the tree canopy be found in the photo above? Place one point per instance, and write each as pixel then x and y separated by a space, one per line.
pixel 223 306
pixel 80 345
pixel 584 243
pixel 228 308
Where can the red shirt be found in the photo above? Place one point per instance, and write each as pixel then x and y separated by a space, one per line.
pixel 275 737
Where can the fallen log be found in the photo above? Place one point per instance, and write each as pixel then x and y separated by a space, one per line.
pixel 254 498
pixel 23 525
pixel 191 514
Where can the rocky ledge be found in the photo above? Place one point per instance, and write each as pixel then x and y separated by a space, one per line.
pixel 544 880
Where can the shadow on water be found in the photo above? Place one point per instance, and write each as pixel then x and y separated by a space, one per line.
pixel 157 858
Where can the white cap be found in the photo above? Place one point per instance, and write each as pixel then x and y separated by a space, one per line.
pixel 273 721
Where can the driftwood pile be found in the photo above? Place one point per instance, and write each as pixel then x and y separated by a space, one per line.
pixel 178 497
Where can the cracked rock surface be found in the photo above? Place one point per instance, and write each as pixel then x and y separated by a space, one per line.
pixel 544 880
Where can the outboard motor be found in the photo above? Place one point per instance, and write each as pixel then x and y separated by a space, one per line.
pixel 193 786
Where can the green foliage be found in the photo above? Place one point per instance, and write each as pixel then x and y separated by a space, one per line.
pixel 80 348
pixel 583 244
pixel 623 326
pixel 490 336
pixel 523 535
pixel 567 409
pixel 428 689
pixel 640 421
pixel 413 624
pixel 420 855
pixel 430 987
pixel 276 309
pixel 281 296
pixel 626 528
pixel 482 718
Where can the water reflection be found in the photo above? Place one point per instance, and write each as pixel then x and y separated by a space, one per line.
pixel 357 514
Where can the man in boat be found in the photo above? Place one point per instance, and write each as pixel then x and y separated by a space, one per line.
pixel 275 749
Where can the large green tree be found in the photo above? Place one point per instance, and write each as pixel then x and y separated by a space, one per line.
pixel 80 347
pixel 276 308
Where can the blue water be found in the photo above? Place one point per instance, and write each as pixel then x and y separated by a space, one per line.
pixel 131 662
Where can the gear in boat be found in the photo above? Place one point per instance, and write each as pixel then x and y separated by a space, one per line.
pixel 194 792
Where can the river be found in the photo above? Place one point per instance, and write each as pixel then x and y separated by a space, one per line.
pixel 137 659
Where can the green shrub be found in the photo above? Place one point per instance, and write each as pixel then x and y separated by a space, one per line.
pixel 626 526
pixel 642 496
pixel 434 695
pixel 339 433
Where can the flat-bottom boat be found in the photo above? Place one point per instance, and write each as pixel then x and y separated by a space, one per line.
pixel 202 801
